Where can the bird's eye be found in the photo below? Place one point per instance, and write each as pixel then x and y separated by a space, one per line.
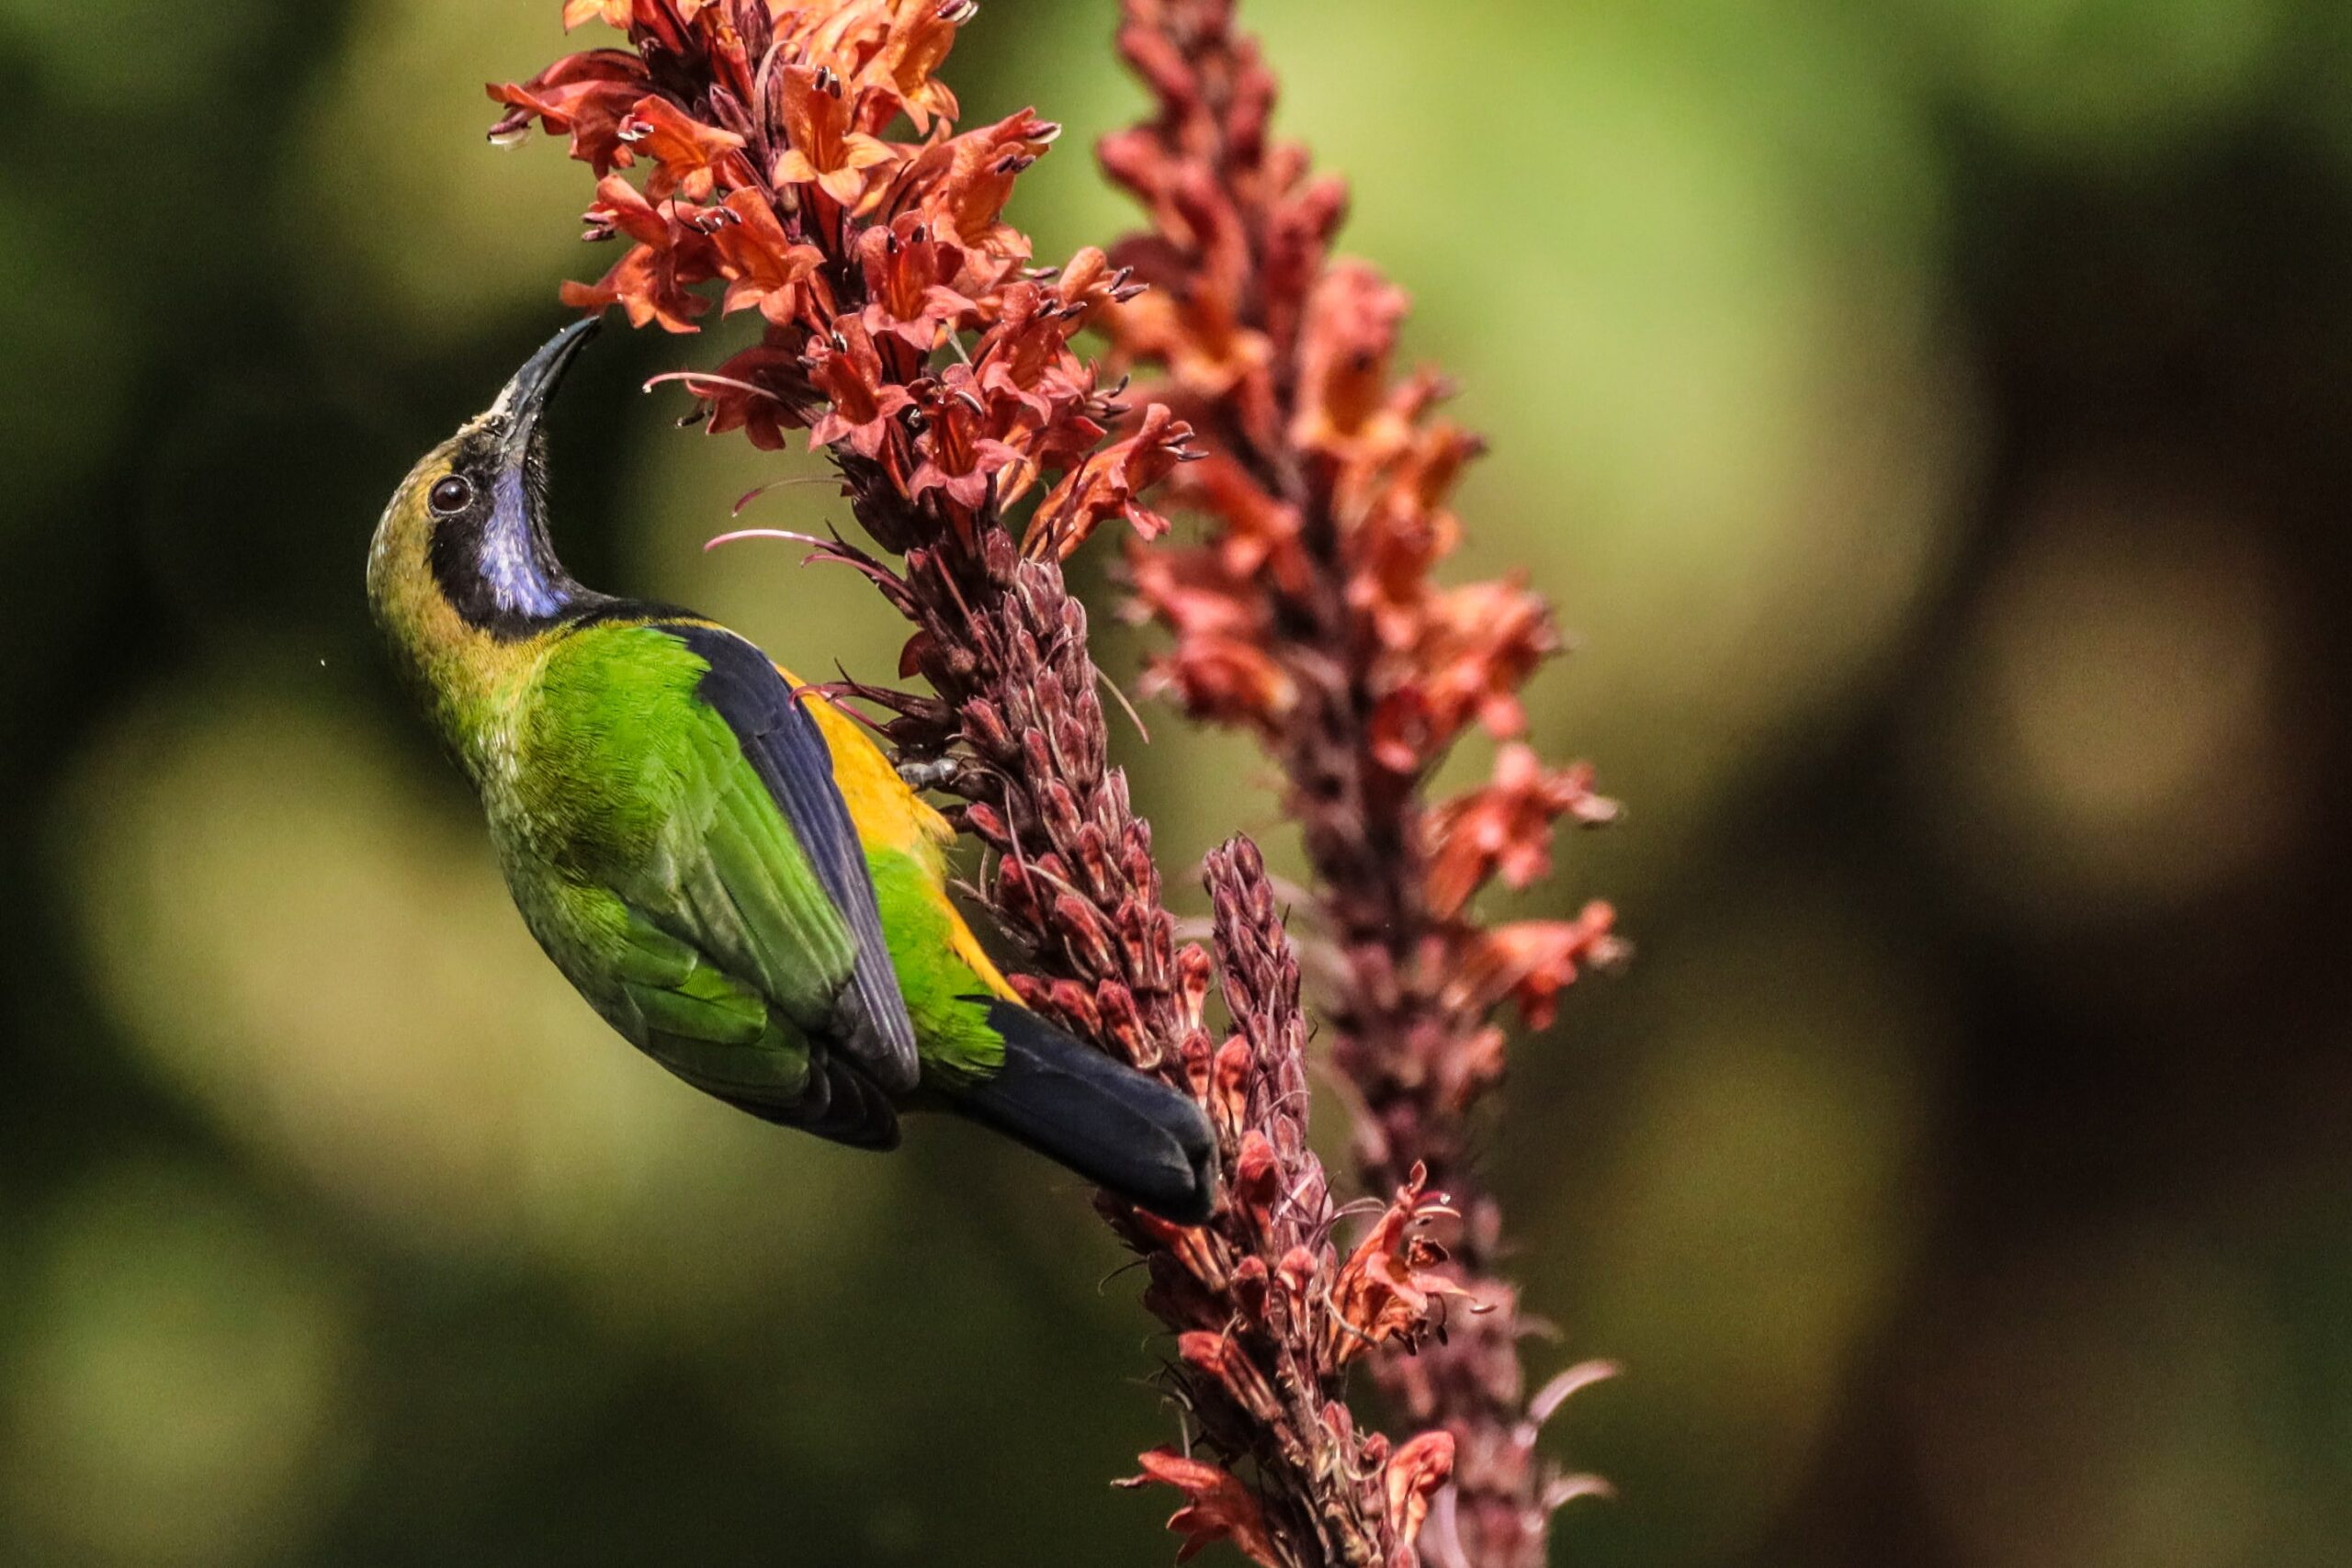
pixel 452 495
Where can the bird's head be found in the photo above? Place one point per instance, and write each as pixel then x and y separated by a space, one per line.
pixel 462 551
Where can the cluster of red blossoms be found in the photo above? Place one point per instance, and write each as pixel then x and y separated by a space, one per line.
pixel 799 162
pixel 1326 480
pixel 1312 613
pixel 764 132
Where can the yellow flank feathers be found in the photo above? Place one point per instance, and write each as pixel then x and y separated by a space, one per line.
pixel 890 816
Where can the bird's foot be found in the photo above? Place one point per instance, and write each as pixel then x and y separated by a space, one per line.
pixel 937 772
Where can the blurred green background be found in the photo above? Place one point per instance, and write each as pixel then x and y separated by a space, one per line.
pixel 1932 416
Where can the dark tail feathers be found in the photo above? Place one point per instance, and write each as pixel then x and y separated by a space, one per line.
pixel 1101 1119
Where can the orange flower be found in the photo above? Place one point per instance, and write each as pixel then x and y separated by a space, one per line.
pixel 1477 645
pixel 653 282
pixel 1196 333
pixel 587 95
pixel 959 458
pixel 1415 1473
pixel 920 34
pixel 967 179
pixel 612 12
pixel 1216 1506
pixel 1110 485
pixel 825 152
pixel 1389 1288
pixel 907 274
pixel 1532 962
pixel 1260 534
pixel 1405 531
pixel 848 372
pixel 762 391
pixel 765 269
pixel 1351 329
pixel 1506 826
pixel 1026 356
pixel 690 157
pixel 1219 668
pixel 1224 679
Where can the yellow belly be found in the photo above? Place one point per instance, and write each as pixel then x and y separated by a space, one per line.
pixel 890 816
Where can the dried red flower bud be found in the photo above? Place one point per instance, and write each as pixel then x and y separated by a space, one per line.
pixel 985 821
pixel 1252 1287
pixel 1196 973
pixel 1297 1273
pixel 1075 1003
pixel 984 728
pixel 1061 811
pixel 1121 1023
pixel 1199 1057
pixel 1232 1092
pixel 1083 932
pixel 1257 1175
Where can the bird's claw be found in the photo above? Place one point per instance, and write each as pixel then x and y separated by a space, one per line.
pixel 937 772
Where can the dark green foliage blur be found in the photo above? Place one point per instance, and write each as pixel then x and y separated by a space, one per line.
pixel 1933 418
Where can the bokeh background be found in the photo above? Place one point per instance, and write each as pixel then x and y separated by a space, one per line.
pixel 1933 417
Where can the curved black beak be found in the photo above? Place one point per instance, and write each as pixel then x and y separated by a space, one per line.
pixel 526 397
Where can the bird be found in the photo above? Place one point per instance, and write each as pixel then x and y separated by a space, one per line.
pixel 723 864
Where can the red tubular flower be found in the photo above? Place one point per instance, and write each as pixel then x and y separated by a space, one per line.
pixel 1351 322
pixel 766 270
pixel 1532 962
pixel 848 373
pixel 821 147
pixel 1216 1506
pixel 689 157
pixel 587 95
pixel 763 391
pixel 653 281
pixel 968 178
pixel 1111 484
pixel 1415 1473
pixel 1506 826
pixel 959 458
pixel 1391 1287
pixel 908 274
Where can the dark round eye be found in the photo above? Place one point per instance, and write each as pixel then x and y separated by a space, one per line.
pixel 453 494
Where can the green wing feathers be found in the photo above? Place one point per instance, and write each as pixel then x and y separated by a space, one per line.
pixel 946 1000
pixel 643 790
pixel 719 951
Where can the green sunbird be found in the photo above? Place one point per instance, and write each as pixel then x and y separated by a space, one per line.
pixel 728 871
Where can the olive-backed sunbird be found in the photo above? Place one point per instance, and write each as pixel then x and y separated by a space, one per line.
pixel 721 863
